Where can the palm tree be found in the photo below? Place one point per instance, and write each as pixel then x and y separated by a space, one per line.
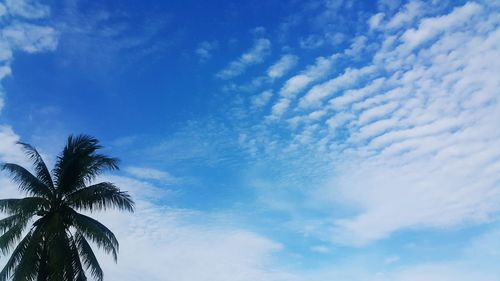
pixel 56 245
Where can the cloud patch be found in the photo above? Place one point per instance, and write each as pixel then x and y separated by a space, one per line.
pixel 411 131
pixel 17 33
pixel 255 55
pixel 282 66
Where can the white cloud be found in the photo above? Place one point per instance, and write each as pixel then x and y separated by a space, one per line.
pixel 259 51
pixel 389 4
pixel 375 20
pixel 411 11
pixel 30 38
pixel 312 73
pixel 205 49
pixel 10 151
pixel 27 9
pixel 161 243
pixel 150 174
pixel 437 272
pixel 412 130
pixel 282 66
pixel 3 10
pixel 431 27
pixel 392 259
pixel 262 99
pixel 279 108
pixel 476 260
pixel 297 83
pixel 358 44
pixel 18 35
pixel 347 79
pixel 422 153
pixel 322 249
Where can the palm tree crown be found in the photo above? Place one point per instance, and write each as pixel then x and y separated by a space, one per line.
pixel 56 246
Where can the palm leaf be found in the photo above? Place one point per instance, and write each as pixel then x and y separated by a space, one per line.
pixel 26 206
pixel 79 164
pixel 88 257
pixel 96 232
pixel 27 181
pixel 9 238
pixel 42 173
pixel 9 222
pixel 77 264
pixel 16 256
pixel 100 196
pixel 27 268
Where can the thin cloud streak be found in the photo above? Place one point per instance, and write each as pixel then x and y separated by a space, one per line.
pixel 255 55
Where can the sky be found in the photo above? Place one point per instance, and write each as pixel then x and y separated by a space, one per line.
pixel 272 140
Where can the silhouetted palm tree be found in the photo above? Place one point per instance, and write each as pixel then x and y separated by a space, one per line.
pixel 56 245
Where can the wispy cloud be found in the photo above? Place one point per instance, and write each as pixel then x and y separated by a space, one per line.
pixel 27 9
pixel 18 33
pixel 205 49
pixel 151 174
pixel 255 55
pixel 109 38
pixel 412 132
pixel 282 66
pixel 301 81
pixel 432 27
pixel 262 99
pixel 411 11
pixel 10 151
pixel 186 245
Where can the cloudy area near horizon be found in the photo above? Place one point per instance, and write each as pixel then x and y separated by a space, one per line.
pixel 272 140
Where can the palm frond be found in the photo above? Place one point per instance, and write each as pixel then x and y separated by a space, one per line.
pixel 98 164
pixel 27 206
pixel 79 163
pixel 27 181
pixel 96 232
pixel 76 262
pixel 88 257
pixel 41 170
pixel 15 257
pixel 27 268
pixel 11 236
pixel 100 197
pixel 10 221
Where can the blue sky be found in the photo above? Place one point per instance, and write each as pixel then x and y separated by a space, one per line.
pixel 273 140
